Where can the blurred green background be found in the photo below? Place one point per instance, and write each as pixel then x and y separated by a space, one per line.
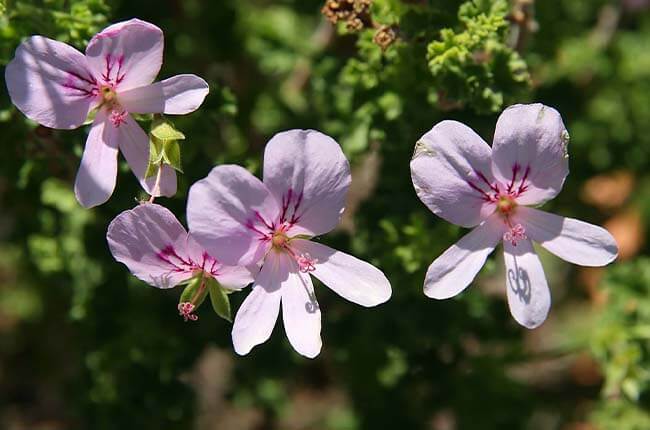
pixel 84 345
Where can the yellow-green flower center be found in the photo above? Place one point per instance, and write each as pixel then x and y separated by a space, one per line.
pixel 279 239
pixel 506 204
pixel 108 93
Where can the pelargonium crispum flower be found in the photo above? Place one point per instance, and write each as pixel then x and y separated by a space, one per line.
pixel 157 249
pixel 461 179
pixel 244 221
pixel 57 86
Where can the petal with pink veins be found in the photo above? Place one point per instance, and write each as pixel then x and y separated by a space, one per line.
pixel 127 54
pixel 456 268
pixel 51 83
pixel 151 242
pixel 308 174
pixel 227 213
pixel 177 95
pixel 452 174
pixel 529 297
pixel 572 240
pixel 97 172
pixel 258 313
pixel 230 277
pixel 134 145
pixel 300 310
pixel 351 278
pixel 530 152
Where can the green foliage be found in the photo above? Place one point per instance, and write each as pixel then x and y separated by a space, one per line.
pixel 72 21
pixel 621 343
pixel 474 65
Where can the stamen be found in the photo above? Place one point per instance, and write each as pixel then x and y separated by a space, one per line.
pixel 516 233
pixel 118 117
pixel 185 310
pixel 306 263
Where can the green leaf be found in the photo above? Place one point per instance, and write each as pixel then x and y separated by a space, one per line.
pixel 164 130
pixel 172 154
pixel 219 299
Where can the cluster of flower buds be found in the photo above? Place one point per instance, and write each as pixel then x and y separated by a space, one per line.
pixel 355 13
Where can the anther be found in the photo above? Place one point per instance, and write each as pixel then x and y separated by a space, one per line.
pixel 516 233
pixel 306 263
pixel 185 310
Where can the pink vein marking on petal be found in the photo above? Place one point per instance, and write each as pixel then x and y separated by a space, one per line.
pixel 168 253
pixel 294 217
pixel 110 63
pixel 212 262
pixel 515 170
pixel 72 82
pixel 485 196
pixel 523 186
pixel 492 186
pixel 259 216
pixel 287 200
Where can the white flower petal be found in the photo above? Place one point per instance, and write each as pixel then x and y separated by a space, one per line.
pixel 572 240
pixel 353 279
pixel 529 298
pixel 456 268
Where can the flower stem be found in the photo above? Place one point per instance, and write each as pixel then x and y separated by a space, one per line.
pixel 156 186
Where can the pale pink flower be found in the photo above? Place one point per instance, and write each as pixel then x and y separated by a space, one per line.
pixel 57 86
pixel 157 249
pixel 461 179
pixel 244 221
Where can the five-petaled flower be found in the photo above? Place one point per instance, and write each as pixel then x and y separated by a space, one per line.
pixel 243 221
pixel 461 179
pixel 58 86
pixel 157 249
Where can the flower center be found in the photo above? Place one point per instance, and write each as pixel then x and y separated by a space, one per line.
pixel 108 93
pixel 506 204
pixel 279 239
pixel 281 242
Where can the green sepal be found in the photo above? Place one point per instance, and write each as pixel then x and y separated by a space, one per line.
pixel 91 116
pixel 155 156
pixel 164 146
pixel 171 154
pixel 219 299
pixel 196 291
pixel 302 236
pixel 142 117
pixel 164 130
